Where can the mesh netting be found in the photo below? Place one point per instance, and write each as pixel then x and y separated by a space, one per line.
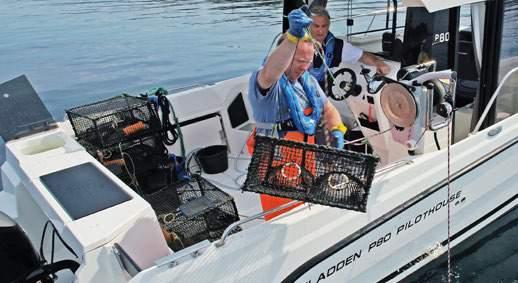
pixel 140 155
pixel 164 201
pixel 222 212
pixel 142 163
pixel 193 211
pixel 107 123
pixel 311 173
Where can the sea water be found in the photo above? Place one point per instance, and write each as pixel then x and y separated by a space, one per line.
pixel 79 51
pixel 76 51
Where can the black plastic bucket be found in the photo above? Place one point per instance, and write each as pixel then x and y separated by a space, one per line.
pixel 213 159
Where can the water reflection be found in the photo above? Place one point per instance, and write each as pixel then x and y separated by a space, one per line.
pixel 487 256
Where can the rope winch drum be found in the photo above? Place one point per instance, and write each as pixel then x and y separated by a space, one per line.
pixel 400 101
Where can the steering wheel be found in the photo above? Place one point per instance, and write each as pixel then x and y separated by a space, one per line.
pixel 344 84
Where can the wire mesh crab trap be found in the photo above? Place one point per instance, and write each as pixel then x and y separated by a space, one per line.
pixel 109 122
pixel 142 163
pixel 312 173
pixel 139 155
pixel 193 211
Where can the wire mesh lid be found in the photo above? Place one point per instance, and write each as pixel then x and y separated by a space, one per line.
pixel 107 106
pixel 312 173
pixel 116 120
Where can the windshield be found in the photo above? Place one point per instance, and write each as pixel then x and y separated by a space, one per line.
pixel 507 100
pixel 506 94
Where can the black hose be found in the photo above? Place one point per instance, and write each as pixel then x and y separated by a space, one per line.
pixel 169 131
pixel 436 141
pixel 54 233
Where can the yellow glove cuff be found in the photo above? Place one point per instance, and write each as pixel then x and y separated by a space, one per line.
pixel 293 39
pixel 341 127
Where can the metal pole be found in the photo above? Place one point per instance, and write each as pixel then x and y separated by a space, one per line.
pixel 229 229
pixel 388 15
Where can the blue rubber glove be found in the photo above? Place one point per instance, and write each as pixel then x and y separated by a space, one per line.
pixel 299 21
pixel 338 139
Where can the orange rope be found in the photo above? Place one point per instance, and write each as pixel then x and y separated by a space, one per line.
pixel 134 128
pixel 119 162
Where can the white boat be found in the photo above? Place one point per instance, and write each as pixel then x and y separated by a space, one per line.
pixel 423 200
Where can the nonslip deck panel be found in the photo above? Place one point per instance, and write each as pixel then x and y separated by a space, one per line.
pixel 83 190
pixel 15 95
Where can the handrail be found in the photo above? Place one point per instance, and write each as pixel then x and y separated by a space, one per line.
pixel 387 16
pixel 394 165
pixel 229 229
pixel 194 251
pixel 394 21
pixel 492 100
pixel 370 24
pixel 373 30
pixel 375 13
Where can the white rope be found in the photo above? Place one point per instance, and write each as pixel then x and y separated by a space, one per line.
pixel 371 136
pixel 318 50
pixel 448 198
pixel 132 175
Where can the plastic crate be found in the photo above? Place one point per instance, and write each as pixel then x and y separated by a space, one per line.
pixel 109 122
pixel 202 211
pixel 311 173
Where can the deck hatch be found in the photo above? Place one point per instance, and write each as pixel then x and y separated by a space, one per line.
pixel 83 190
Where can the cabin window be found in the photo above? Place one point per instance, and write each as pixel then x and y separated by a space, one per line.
pixel 507 100
pixel 376 16
pixel 237 111
pixel 365 25
pixel 467 66
pixel 509 48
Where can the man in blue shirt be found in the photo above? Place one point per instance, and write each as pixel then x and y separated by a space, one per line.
pixel 286 100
